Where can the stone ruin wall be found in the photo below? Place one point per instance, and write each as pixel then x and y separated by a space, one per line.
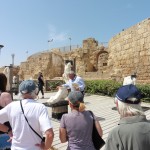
pixel 51 63
pixel 89 59
pixel 129 52
pixel 45 62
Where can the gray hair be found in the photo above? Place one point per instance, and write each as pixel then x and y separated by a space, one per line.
pixel 71 72
pixel 33 94
pixel 126 109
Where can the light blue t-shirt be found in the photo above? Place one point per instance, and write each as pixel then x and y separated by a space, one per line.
pixel 77 80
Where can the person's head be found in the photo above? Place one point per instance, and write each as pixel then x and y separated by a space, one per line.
pixel 71 74
pixel 130 80
pixel 40 73
pixel 128 101
pixel 28 89
pixel 133 75
pixel 3 82
pixel 75 99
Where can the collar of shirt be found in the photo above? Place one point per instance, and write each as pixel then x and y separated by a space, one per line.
pixel 132 119
pixel 25 101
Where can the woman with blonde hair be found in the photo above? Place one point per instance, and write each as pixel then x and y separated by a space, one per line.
pixel 76 127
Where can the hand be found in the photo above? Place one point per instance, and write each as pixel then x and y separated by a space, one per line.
pixel 10 139
pixel 41 145
pixel 10 135
pixel 77 88
pixel 58 87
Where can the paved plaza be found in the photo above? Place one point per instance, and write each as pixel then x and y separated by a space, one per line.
pixel 102 106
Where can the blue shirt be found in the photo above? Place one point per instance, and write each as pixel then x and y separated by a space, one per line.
pixel 78 80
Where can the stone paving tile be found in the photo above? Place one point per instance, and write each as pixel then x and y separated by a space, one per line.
pixel 102 106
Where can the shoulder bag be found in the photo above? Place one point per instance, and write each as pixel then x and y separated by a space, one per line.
pixel 97 140
pixel 43 139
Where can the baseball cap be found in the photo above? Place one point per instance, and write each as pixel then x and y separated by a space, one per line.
pixel 129 94
pixel 27 86
pixel 75 96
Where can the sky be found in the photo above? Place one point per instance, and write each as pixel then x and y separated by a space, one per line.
pixel 26 26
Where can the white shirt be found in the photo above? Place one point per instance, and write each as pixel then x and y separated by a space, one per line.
pixel 129 80
pixel 23 136
pixel 77 80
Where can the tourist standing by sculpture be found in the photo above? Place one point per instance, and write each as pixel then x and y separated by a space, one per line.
pixel 40 84
pixel 133 131
pixel 5 99
pixel 75 83
pixel 25 116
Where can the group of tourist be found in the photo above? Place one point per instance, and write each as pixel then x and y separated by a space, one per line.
pixel 29 120
pixel 24 123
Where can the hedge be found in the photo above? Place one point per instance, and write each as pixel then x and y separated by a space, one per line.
pixel 110 87
pixel 103 87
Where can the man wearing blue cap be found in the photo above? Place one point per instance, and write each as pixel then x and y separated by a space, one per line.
pixel 28 119
pixel 133 130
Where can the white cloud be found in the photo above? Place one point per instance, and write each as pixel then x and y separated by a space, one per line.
pixel 55 35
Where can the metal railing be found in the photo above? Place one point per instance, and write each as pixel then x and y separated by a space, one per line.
pixel 67 49
pixel 64 49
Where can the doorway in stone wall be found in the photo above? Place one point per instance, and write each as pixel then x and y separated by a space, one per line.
pixel 102 60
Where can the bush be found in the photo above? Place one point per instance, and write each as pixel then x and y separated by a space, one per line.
pixel 110 87
pixel 102 87
pixel 52 84
pixel 145 90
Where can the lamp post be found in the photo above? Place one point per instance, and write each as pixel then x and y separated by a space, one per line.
pixel 27 53
pixel 70 42
pixel 50 40
pixel 13 56
pixel 1 46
